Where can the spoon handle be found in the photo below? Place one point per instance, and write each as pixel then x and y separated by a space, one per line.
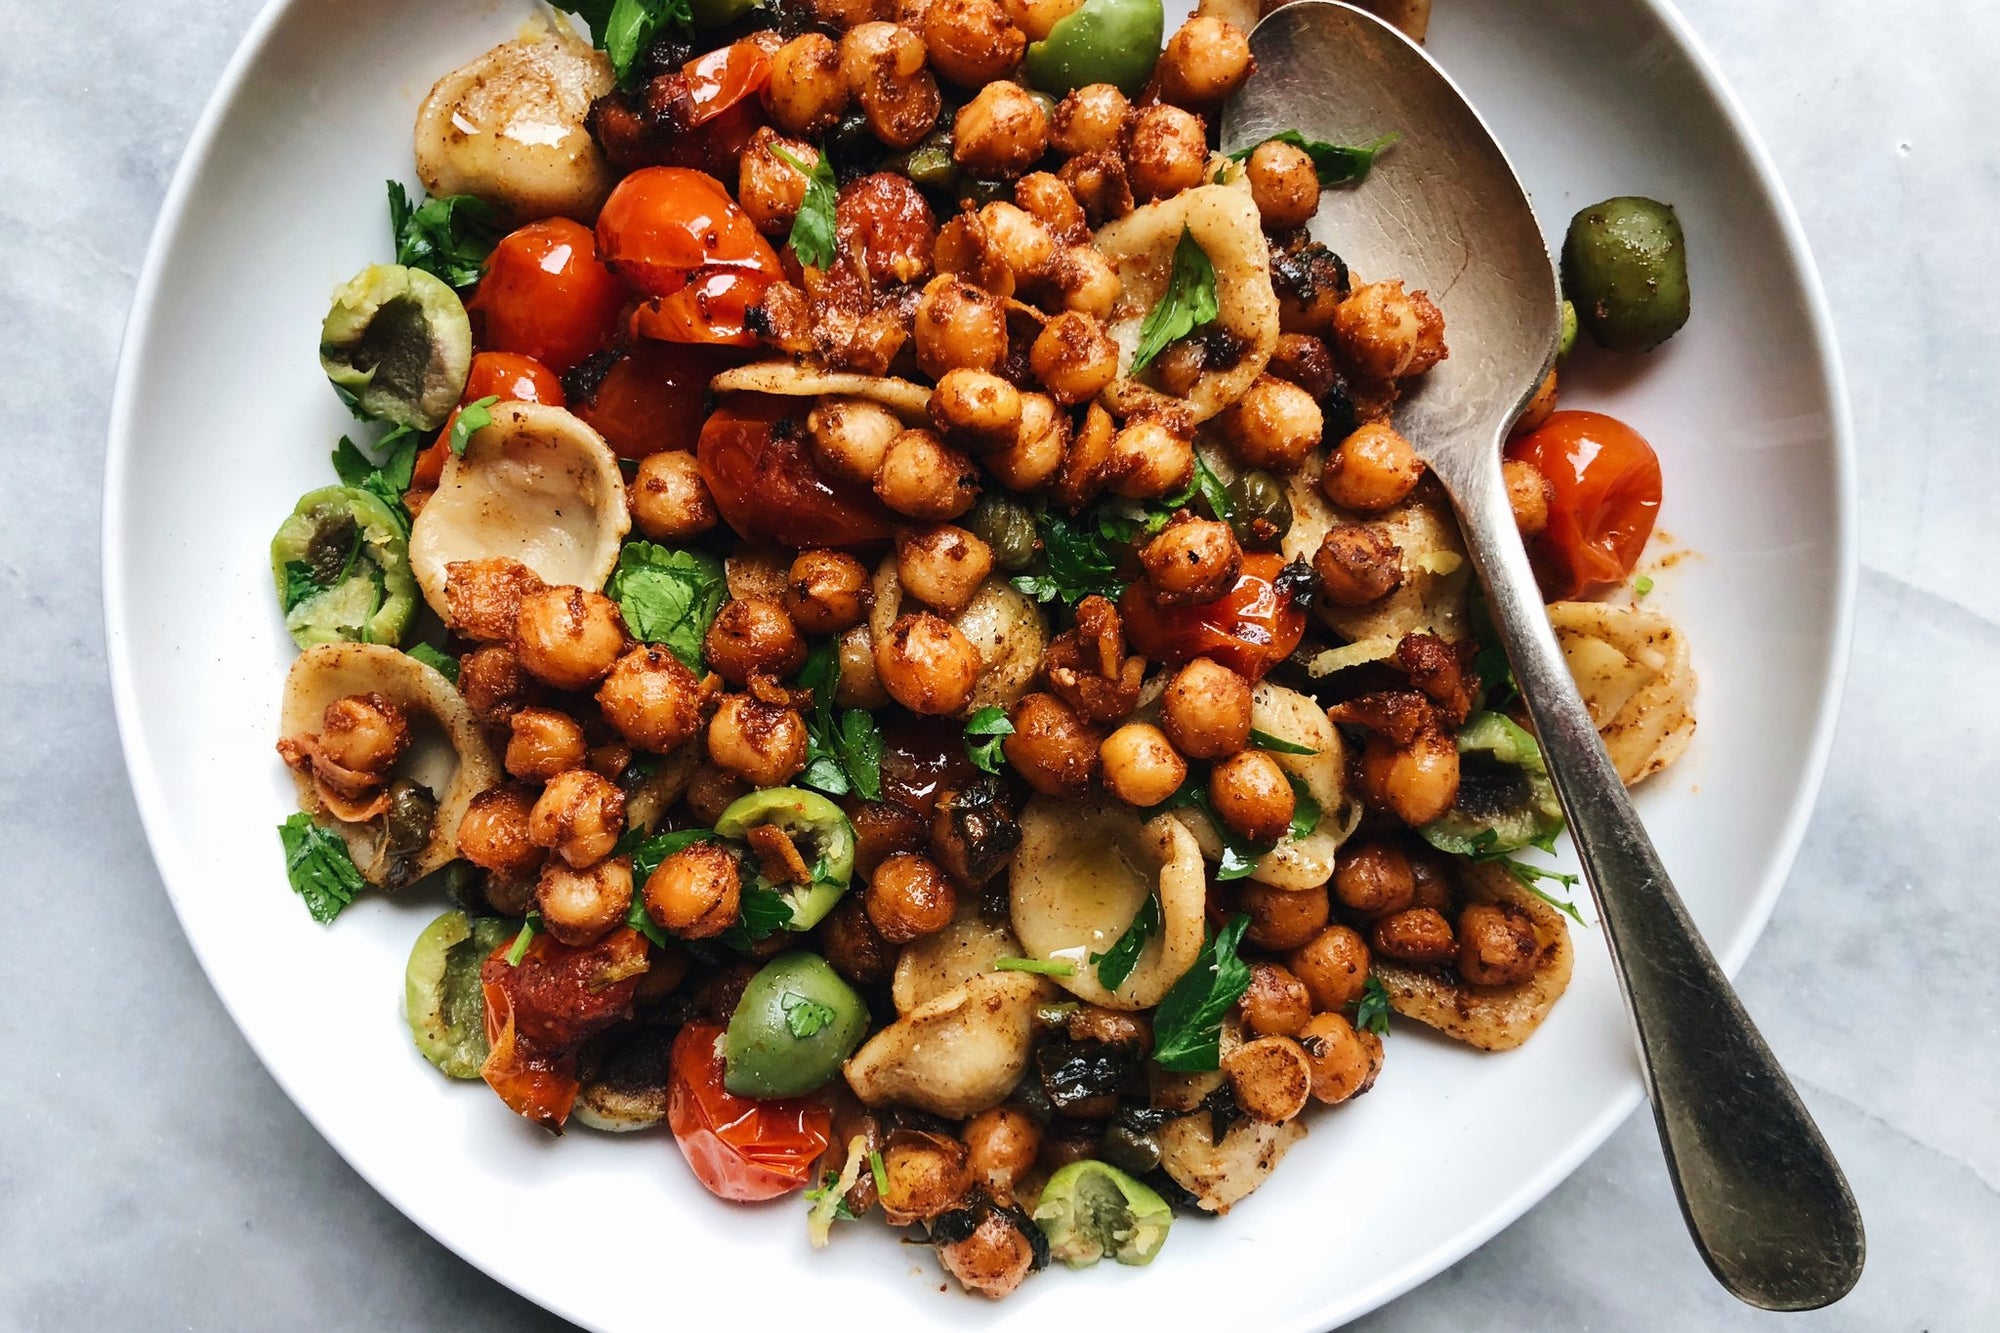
pixel 1766 1203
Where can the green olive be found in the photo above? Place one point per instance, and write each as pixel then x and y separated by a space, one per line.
pixel 1505 800
pixel 1006 525
pixel 796 1023
pixel 397 344
pixel 1105 41
pixel 1625 267
pixel 441 994
pixel 1259 510
pixel 817 828
pixel 342 566
pixel 1130 1149
pixel 1091 1209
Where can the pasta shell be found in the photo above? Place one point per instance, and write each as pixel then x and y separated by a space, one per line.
pixel 1221 1175
pixel 792 380
pixel 1436 592
pixel 935 964
pixel 1004 624
pixel 957 1053
pixel 1636 678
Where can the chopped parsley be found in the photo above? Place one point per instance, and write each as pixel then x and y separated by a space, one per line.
pixel 1335 164
pixel 1371 1011
pixel 1188 302
pixel 844 750
pixel 812 229
pixel 763 914
pixel 804 1017
pixel 1041 967
pixel 319 866
pixel 449 238
pixel 443 663
pixel 1187 1027
pixel 1240 855
pixel 984 732
pixel 1643 584
pixel 669 596
pixel 530 928
pixel 880 1172
pixel 471 419
pixel 1115 964
pixel 1529 877
pixel 387 480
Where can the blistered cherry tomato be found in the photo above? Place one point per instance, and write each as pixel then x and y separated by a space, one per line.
pixel 712 308
pixel 649 397
pixel 759 466
pixel 1249 629
pixel 504 375
pixel 741 1149
pixel 663 223
pixel 1605 484
pixel 724 78
pixel 545 295
pixel 540 1009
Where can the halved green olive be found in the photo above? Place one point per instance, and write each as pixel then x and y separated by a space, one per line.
pixel 817 828
pixel 1505 799
pixel 796 1023
pixel 441 994
pixel 1105 41
pixel 1089 1210
pixel 398 343
pixel 342 566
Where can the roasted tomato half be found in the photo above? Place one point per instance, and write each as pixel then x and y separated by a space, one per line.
pixel 1249 629
pixel 663 224
pixel 541 1009
pixel 758 464
pixel 647 397
pixel 545 295
pixel 1604 482
pixel 740 1148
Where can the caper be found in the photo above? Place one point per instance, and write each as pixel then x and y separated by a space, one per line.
pixel 1624 264
pixel 1004 523
pixel 930 163
pixel 853 147
pixel 1260 513
pixel 412 815
pixel 1130 1149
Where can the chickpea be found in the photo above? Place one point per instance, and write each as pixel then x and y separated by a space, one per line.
pixel 1277 1003
pixel 1250 793
pixel 579 906
pixel 1149 460
pixel 1050 203
pixel 1284 183
pixel 1023 242
pixel 569 637
pixel 1052 748
pixel 763 743
pixel 711 791
pixel 1074 358
pixel 826 591
pixel 493 833
pixel 976 409
pixel 927 664
pixel 1100 183
pixel 1086 282
pixel 1496 945
pixel 1417 782
pixel 807 91
pixel 1038 448
pixel 1141 767
pixel 1333 967
pixel 1206 710
pixel 483 597
pixel 909 897
pixel 652 700
pixel 853 947
pixel 770 189
pixel 1000 132
pixel 1092 119
pixel 1305 361
pixel 942 565
pixel 1386 333
pixel 1357 564
pixel 1538 409
pixel 364 734
pixel 1205 62
pixel 696 893
pixel 1528 495
pixel 959 324
pixel 1274 425
pixel 1415 935
pixel 751 635
pixel 543 743
pixel 609 760
pixel 495 684
pixel 1271 1077
pixel 885 67
pixel 1344 1062
pixel 842 14
pixel 1431 872
pixel 1168 152
pixel 1001 1144
pixel 1192 560
pixel 922 477
pixel 507 895
pixel 668 499
pixel 578 816
pixel 860 683
pixel 1372 469
pixel 851 436
pixel 925 1176
pixel 1373 879
pixel 971 42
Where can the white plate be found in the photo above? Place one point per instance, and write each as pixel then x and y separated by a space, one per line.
pixel 223 419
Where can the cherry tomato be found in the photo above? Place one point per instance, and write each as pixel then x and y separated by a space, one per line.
pixel 546 296
pixel 713 308
pixel 650 397
pixel 1249 629
pixel 541 1009
pixel 663 223
pixel 740 1149
pixel 1605 481
pixel 723 78
pixel 757 463
pixel 504 375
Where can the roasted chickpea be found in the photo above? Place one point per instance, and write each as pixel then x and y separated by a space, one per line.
pixel 1496 945
pixel 1192 560
pixel 494 835
pixel 922 477
pixel 886 69
pixel 495 684
pixel 1417 782
pixel 1528 495
pixel 1074 357
pixel 579 906
pixel 1333 966
pixel 1020 238
pixel 1415 935
pixel 1373 878
pixel 976 409
pixel 1001 1144
pixel 909 897
pixel 364 734
pixel 1141 766
pixel 1282 919
pixel 957 325
pixel 1149 460
pixel 807 91
pixel 750 635
pixel 609 760
pixel 1539 408
pixel 1205 62
pixel 652 700
pixel 1274 425
pixel 711 791
pixel 695 893
pixel 1284 183
pixel 1052 748
pixel 927 664
pixel 942 565
pixel 1277 1003
pixel 1271 1077
pixel 770 189
pixel 1431 872
pixel 1051 203
pixel 860 683
pixel 971 42
pixel 1206 710
pixel 668 499
pixel 1385 333
pixel 1252 796
pixel 1357 564
pixel 1372 469
pixel 543 743
pixel 1000 132
pixel 883 828
pixel 1085 281
pixel 483 597
pixel 925 1176
pixel 1344 1062
pixel 853 946
pixel 1101 185
pixel 1168 152
pixel 578 817
pixel 851 436
pixel 1038 447
pixel 1305 361
pixel 826 591
pixel 763 743
pixel 568 637
pixel 1092 119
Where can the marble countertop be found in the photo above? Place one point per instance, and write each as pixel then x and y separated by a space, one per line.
pixel 153 1176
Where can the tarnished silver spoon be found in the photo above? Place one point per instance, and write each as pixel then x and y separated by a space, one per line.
pixel 1764 1200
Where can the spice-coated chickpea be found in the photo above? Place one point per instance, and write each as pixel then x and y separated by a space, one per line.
pixel 1539 408
pixel 850 436
pixel 886 69
pixel 826 591
pixel 1092 119
pixel 942 565
pixel 976 409
pixel 957 325
pixel 1372 469
pixel 1084 281
pixel 579 817
pixel 1168 152
pixel 883 828
pixel 483 597
pixel 1037 17
pixel 1052 748
pixel 927 664
pixel 542 743
pixel 924 1175
pixel 1357 564
pixel 972 42
pixel 1038 447
pixel 1305 361
pixel 1274 425
pixel 1101 185
pixel 807 92
pixel 1344 1062
pixel 1417 782
pixel 1020 238
pixel 922 477
pixel 751 635
pixel 1333 966
pixel 652 700
pixel 493 834
pixel 1284 183
pixel 909 897
pixel 1415 935
pixel 1150 460
pixel 763 743
pixel 568 637
pixel 1193 560
pixel 1000 132
pixel 1528 495
pixel 1277 1003
pixel 1205 62
pixel 1252 796
pixel 1496 945
pixel 579 906
pixel 1001 1144
pixel 1270 1077
pixel 1385 333
pixel 495 684
pixel 1373 878
pixel 1052 204
pixel 860 683
pixel 770 189
pixel 1074 357
pixel 695 893
pixel 1206 710
pixel 853 947
pixel 668 499
pixel 1141 767
pixel 1282 919
pixel 364 734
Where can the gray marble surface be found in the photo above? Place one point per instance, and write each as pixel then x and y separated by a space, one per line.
pixel 152 1175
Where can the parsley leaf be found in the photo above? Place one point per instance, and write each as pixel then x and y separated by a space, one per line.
pixel 812 230
pixel 519 948
pixel 669 596
pixel 1075 559
pixel 1528 876
pixel 1187 304
pixel 804 1016
pixel 648 850
pixel 1371 1011
pixel 764 913
pixel 387 480
pixel 1496 678
pixel 449 238
pixel 843 754
pixel 442 663
pixel 471 419
pixel 1264 740
pixel 1116 963
pixel 1041 967
pixel 880 1172
pixel 299 585
pixel 859 745
pixel 630 27
pixel 1336 164
pixel 1239 854
pixel 319 866
pixel 984 731
pixel 1187 1027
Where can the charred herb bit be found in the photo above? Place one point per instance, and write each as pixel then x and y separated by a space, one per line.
pixel 1115 964
pixel 1295 584
pixel 1187 1027
pixel 1224 1112
pixel 1077 1073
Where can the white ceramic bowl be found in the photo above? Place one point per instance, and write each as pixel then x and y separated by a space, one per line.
pixel 223 419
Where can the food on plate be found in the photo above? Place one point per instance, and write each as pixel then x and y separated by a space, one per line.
pixel 881 582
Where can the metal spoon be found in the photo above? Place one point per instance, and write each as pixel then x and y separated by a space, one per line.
pixel 1763 1198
